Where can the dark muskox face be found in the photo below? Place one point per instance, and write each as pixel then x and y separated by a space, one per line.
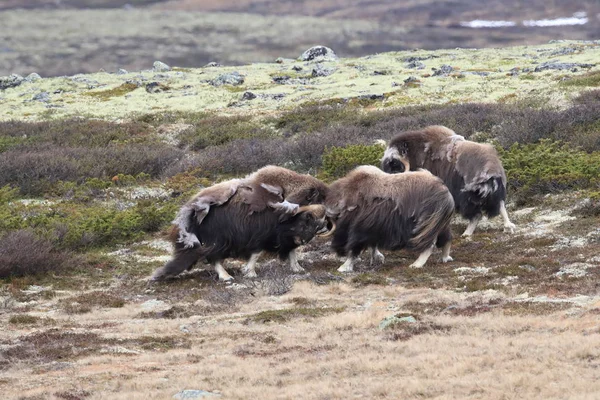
pixel 394 161
pixel 305 225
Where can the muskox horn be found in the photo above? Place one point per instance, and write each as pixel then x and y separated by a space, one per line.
pixel 330 232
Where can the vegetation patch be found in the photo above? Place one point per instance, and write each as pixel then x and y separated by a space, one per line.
pixel 118 91
pixel 369 278
pixel 588 79
pixel 23 319
pixel 161 343
pixel 23 253
pixel 533 308
pixel 403 331
pixel 338 161
pixel 85 302
pixel 549 167
pixel 281 316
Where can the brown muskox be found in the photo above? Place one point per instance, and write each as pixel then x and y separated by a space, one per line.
pixel 391 211
pixel 472 171
pixel 274 210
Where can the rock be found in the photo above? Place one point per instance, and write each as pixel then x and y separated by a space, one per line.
pixel 320 71
pixel 412 81
pixel 248 96
pixel 415 65
pixel 32 77
pixel 195 394
pixel 318 53
pixel 156 87
pixel 281 60
pixel 212 64
pixel 394 84
pixel 372 97
pixel 574 270
pixel 160 66
pixel 233 78
pixel 444 70
pixel 561 66
pixel 122 71
pixel 10 81
pixel 154 305
pixel 297 68
pixel 389 322
pixel 42 96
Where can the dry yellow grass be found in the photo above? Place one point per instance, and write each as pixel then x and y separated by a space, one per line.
pixel 346 355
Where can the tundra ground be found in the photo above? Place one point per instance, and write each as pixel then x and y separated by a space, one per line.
pixel 514 316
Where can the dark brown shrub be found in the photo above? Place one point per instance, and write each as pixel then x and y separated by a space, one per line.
pixel 23 253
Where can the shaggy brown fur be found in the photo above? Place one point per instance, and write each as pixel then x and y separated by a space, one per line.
pixel 472 171
pixel 271 209
pixel 392 211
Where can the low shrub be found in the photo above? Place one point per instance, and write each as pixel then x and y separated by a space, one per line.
pixel 24 253
pixel 587 79
pixel 549 167
pixel 338 161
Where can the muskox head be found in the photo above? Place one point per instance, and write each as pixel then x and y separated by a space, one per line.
pixel 308 222
pixel 395 159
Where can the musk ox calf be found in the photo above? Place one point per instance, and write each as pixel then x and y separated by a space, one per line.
pixel 472 171
pixel 274 210
pixel 374 209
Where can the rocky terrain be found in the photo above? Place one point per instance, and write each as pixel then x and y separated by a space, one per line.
pixel 67 37
pixel 94 167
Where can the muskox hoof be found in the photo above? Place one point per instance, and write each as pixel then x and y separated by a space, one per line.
pixel 377 258
pixel 467 236
pixel 510 227
pixel 447 259
pixel 298 269
pixel 227 281
pixel 348 266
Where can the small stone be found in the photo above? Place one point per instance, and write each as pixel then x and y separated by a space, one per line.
pixel 318 53
pixel 444 70
pixel 297 68
pixel 32 77
pixel 389 322
pixel 394 84
pixel 233 78
pixel 160 66
pixel 195 394
pixel 42 96
pixel 212 64
pixel 379 97
pixel 248 96
pixel 320 71
pixel 415 65
pixel 122 71
pixel 10 81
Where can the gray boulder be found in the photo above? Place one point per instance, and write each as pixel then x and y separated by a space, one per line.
pixel 233 78
pixel 32 77
pixel 561 66
pixel 195 394
pixel 42 96
pixel 444 70
pixel 10 81
pixel 122 71
pixel 248 96
pixel 160 66
pixel 318 53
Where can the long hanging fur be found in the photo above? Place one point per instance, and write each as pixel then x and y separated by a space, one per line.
pixel 390 211
pixel 472 171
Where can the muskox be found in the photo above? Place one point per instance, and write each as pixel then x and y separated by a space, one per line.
pixel 472 171
pixel 274 210
pixel 375 209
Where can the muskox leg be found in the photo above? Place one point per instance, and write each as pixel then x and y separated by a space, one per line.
pixel 444 240
pixel 249 269
pixel 182 260
pixel 422 259
pixel 376 257
pixel 348 266
pixel 223 275
pixel 472 225
pixel 508 226
pixel 296 268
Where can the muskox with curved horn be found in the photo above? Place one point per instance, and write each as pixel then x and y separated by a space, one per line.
pixel 391 211
pixel 472 171
pixel 274 210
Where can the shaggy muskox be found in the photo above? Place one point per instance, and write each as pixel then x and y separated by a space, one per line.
pixel 274 210
pixel 391 211
pixel 472 171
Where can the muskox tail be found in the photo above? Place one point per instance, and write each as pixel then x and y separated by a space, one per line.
pixel 437 212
